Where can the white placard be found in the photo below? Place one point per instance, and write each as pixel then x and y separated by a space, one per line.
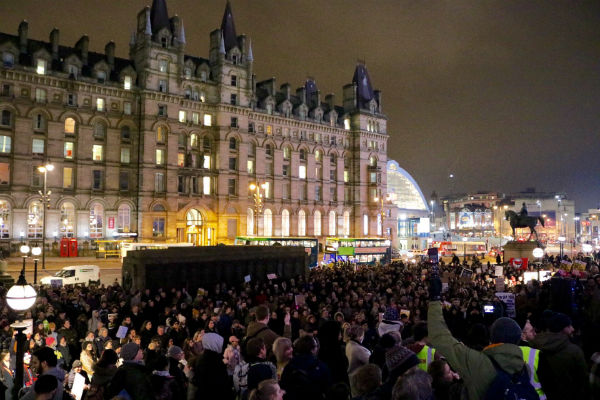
pixel 78 384
pixel 499 270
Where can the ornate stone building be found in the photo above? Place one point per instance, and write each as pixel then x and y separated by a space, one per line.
pixel 166 145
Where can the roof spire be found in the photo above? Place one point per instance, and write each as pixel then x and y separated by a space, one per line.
pixel 182 34
pixel 363 85
pixel 228 28
pixel 159 15
pixel 222 45
pixel 250 55
pixel 148 30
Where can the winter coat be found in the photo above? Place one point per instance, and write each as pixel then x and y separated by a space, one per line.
pixel 210 377
pixel 309 368
pixel 166 388
pixel 8 381
pixel 473 366
pixel 133 378
pixel 357 356
pixel 66 355
pixel 103 375
pixel 562 368
pixel 59 374
pixel 266 334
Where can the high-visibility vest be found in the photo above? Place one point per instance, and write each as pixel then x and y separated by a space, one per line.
pixel 531 357
pixel 425 357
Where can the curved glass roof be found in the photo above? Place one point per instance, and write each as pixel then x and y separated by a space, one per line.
pixel 407 194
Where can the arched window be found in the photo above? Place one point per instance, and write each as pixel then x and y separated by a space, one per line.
pixel 193 217
pixel 158 208
pixel 269 150
pixel 317 223
pixel 70 126
pixel 302 155
pixel 193 140
pixel 4 219
pixel 268 223
pixel 96 221
pixel 6 119
pixel 39 122
pixel 232 143
pixel 34 220
pixel 100 131
pixel 346 223
pixel 285 223
pixel 161 134
pixel 158 221
pixel 332 223
pixel 67 219
pixel 287 153
pixel 124 218
pixel 250 222
pixel 301 223
pixel 125 133
pixel 379 225
pixel 372 161
pixel 206 142
pixel 318 156
pixel 365 225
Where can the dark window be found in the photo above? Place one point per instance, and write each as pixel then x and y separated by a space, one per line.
pixel 71 99
pixel 233 164
pixel 124 180
pixel 286 170
pixel 99 131
pixel 269 150
pixel 233 99
pixel 302 154
pixel 5 90
pixel 6 117
pixel 234 122
pixel 232 144
pixel 181 184
pixel 125 133
pixel 231 187
pixel 251 127
pixel 97 179
pixel 162 111
pixel 233 80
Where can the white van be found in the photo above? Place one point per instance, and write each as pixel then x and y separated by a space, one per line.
pixel 75 274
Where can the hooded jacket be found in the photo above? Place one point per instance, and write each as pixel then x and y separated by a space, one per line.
pixel 562 368
pixel 473 366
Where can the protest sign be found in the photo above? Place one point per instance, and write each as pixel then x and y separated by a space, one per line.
pixel 499 270
pixel 122 332
pixel 509 300
pixel 499 284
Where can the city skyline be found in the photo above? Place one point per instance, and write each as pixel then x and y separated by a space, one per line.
pixel 463 84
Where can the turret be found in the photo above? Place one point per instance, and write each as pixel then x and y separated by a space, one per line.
pixel 109 50
pixel 23 31
pixel 54 42
pixel 82 45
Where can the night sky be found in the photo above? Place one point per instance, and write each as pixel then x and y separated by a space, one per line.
pixel 465 83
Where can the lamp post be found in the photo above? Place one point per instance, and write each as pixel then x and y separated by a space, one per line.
pixel 538 253
pixel 380 199
pixel 258 196
pixel 36 251
pixel 464 239
pixel 44 169
pixel 561 241
pixel 20 298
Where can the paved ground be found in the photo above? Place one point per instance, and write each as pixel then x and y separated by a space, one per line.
pixel 110 269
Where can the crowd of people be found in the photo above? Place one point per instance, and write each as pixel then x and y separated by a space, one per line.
pixel 399 331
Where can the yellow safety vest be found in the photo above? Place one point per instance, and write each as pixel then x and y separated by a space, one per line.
pixel 531 357
pixel 425 357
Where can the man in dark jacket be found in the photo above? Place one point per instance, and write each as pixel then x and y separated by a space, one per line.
pixel 132 376
pixel 211 380
pixel 260 329
pixel 562 368
pixel 305 376
pixel 259 369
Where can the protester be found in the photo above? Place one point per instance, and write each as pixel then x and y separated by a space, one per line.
pixel 131 377
pixel 43 363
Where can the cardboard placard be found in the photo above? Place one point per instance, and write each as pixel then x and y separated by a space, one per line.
pixel 122 332
pixel 403 311
pixel 299 299
pixel 499 270
pixel 509 300
pixel 247 278
pixel 499 284
pixel 271 276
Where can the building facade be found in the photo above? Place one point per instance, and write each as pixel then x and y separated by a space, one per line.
pixel 166 146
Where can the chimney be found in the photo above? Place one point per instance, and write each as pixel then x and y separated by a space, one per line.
pixel 54 41
pixel 301 93
pixel 286 89
pixel 82 45
pixel 330 100
pixel 109 50
pixel 378 98
pixel 23 30
pixel 318 99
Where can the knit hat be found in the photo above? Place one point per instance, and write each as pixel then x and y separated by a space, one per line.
pixel 174 351
pixel 213 342
pixel 400 359
pixel 505 330
pixel 386 326
pixel 558 322
pixel 129 351
pixel 77 364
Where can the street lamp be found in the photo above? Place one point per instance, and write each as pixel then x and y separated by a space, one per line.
pixel 20 297
pixel 538 253
pixel 44 169
pixel 36 251
pixel 464 239
pixel 258 196
pixel 561 241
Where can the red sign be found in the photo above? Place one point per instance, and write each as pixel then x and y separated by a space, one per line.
pixel 370 250
pixel 111 222
pixel 520 263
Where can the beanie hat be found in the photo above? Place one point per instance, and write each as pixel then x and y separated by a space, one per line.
pixel 212 341
pixel 505 330
pixel 558 322
pixel 400 359
pixel 77 364
pixel 129 351
pixel 174 351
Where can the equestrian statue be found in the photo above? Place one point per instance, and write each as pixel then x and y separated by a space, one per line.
pixel 522 220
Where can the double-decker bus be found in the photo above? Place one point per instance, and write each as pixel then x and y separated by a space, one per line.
pixel 311 245
pixel 130 246
pixel 356 250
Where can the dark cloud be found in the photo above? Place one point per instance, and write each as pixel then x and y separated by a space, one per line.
pixel 504 94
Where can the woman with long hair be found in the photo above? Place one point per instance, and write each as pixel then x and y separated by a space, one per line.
pixel 88 358
pixel 146 333
pixel 6 374
pixel 267 390
pixel 283 352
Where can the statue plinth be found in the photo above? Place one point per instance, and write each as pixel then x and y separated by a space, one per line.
pixel 514 249
pixel 5 278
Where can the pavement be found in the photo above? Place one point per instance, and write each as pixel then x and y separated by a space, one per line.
pixel 110 268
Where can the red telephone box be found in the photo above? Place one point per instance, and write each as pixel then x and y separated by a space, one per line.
pixel 72 247
pixel 64 247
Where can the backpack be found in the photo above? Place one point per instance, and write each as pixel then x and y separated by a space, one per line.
pixel 245 340
pixel 510 387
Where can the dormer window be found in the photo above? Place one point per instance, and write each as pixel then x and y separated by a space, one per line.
pixel 73 71
pixel 164 42
pixel 101 76
pixel 234 59
pixel 8 59
pixel 188 73
pixel 41 66
pixel 269 108
pixel 233 80
pixel 347 124
pixel 162 65
pixel 203 76
pixel 127 82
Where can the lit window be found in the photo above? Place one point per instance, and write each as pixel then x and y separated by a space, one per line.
pixel 67 177
pixel 69 146
pixel 302 172
pixel 250 166
pixel 286 153
pixel 127 83
pixel 181 159
pixel 160 156
pixel 38 146
pixel 125 155
pixel 97 152
pixel 347 124
pixel 5 144
pixel 346 176
pixel 301 223
pixel 195 118
pixel 207 120
pixel 206 162
pixel 100 104
pixel 41 66
pixel 162 86
pixel 127 108
pixel 158 227
pixel 70 126
pixel 269 130
pixel 317 223
pixel 206 185
pixel 162 65
pixel 161 134
pixel 365 225
pixel 182 116
pixel 285 223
